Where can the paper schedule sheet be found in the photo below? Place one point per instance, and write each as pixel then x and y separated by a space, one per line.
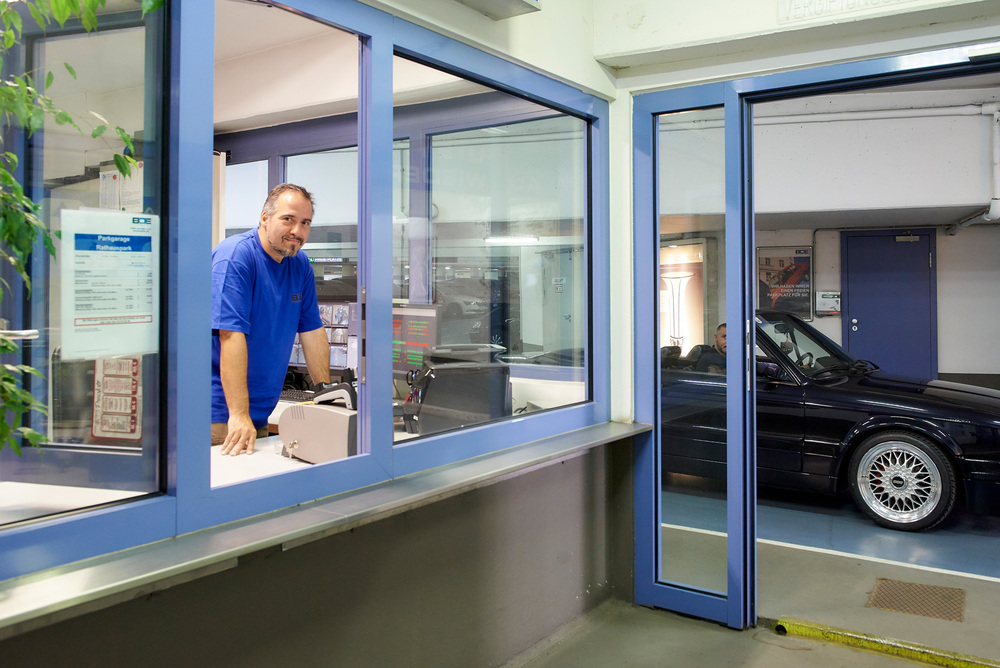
pixel 110 278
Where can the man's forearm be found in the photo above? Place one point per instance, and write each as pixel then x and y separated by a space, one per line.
pixel 316 348
pixel 233 371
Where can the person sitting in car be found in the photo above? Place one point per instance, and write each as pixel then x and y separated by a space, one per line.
pixel 713 360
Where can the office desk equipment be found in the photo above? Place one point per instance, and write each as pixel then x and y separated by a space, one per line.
pixel 319 433
pixel 453 395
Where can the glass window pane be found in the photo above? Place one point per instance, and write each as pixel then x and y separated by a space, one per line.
pixel 95 303
pixel 492 319
pixel 246 187
pixel 692 339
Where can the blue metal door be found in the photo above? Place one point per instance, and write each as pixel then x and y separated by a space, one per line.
pixel 888 296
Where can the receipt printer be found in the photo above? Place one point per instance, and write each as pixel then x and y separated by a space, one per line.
pixel 319 433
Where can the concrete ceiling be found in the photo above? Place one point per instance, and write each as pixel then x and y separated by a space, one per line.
pixel 243 27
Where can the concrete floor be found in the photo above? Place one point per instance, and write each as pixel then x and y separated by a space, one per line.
pixel 822 588
pixel 620 634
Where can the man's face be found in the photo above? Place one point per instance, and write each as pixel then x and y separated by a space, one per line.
pixel 720 340
pixel 285 231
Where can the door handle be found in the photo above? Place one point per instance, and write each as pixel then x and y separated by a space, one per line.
pixel 19 334
pixel 16 334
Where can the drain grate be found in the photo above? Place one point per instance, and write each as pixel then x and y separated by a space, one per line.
pixel 918 599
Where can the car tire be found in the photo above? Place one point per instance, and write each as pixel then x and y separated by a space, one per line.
pixel 902 481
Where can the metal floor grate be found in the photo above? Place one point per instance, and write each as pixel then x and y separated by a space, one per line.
pixel 918 599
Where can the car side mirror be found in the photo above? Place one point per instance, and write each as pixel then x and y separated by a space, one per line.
pixel 769 370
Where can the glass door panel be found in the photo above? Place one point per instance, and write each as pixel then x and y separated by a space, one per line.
pixel 692 341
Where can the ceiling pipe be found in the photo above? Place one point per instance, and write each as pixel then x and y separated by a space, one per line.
pixel 993 212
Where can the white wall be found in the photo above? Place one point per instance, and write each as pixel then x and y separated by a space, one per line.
pixel 873 164
pixel 664 43
pixel 558 40
pixel 650 26
pixel 839 164
pixel 969 300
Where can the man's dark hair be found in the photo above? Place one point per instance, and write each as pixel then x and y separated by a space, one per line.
pixel 271 203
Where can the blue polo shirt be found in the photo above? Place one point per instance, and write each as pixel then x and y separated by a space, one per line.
pixel 267 301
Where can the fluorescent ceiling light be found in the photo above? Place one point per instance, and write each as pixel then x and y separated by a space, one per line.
pixel 512 241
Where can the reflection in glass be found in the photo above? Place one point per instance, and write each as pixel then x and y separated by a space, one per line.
pixel 692 339
pixel 94 305
pixel 491 316
pixel 672 304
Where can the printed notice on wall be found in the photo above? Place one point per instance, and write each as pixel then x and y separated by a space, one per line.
pixel 120 192
pixel 109 267
pixel 117 398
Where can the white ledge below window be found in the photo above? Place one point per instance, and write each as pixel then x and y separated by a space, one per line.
pixel 63 592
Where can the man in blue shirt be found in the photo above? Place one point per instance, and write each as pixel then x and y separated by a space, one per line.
pixel 263 293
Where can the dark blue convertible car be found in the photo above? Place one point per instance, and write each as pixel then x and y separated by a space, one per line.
pixel 906 448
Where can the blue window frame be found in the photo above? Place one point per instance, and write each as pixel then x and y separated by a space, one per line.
pixel 189 502
pixel 736 608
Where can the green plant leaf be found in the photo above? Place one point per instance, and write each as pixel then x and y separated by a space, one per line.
pixel 69 68
pixel 122 164
pixel 33 436
pixel 89 19
pixel 36 14
pixel 151 6
pixel 49 78
pixel 125 138
pixel 62 10
pixel 98 131
pixel 14 24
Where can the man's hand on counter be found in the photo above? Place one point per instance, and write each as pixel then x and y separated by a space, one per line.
pixel 241 435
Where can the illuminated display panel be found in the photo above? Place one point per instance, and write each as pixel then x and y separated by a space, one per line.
pixel 414 330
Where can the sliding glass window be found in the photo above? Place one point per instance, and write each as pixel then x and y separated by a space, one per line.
pixel 490 256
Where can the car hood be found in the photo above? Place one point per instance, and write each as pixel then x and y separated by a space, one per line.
pixel 959 395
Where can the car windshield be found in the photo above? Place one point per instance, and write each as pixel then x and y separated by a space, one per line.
pixel 812 353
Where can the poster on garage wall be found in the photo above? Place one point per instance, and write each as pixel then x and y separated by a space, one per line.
pixel 784 279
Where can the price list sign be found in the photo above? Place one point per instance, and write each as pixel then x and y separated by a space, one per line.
pixel 117 398
pixel 110 283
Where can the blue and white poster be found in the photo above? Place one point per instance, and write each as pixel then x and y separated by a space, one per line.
pixel 109 269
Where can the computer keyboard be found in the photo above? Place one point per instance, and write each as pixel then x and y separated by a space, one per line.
pixel 297 396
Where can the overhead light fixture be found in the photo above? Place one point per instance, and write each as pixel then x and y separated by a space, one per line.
pixel 511 241
pixel 982 50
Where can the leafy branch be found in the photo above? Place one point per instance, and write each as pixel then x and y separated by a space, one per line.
pixel 23 105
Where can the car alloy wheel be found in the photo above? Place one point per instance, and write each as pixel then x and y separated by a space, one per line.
pixel 902 481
